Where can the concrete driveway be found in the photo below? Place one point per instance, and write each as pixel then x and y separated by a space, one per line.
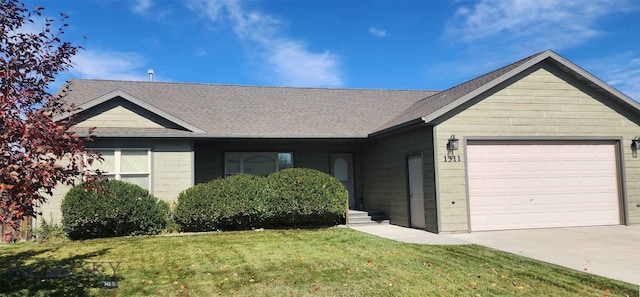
pixel 610 251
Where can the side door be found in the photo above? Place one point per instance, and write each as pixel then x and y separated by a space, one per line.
pixel 416 192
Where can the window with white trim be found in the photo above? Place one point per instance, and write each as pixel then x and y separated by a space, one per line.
pixel 131 165
pixel 258 163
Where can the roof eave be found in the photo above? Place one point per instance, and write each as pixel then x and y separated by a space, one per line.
pixel 136 101
pixel 408 124
pixel 214 136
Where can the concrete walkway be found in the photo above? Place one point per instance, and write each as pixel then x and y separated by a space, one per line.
pixel 407 235
pixel 609 251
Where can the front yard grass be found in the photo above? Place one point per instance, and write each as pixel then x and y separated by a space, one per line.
pixel 324 262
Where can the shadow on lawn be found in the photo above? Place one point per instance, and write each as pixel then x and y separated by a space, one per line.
pixel 26 274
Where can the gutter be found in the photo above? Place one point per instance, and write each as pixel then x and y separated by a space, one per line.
pixel 404 125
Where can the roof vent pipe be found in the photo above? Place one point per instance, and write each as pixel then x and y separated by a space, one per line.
pixel 150 71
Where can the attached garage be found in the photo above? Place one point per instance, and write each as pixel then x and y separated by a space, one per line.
pixel 540 184
pixel 540 143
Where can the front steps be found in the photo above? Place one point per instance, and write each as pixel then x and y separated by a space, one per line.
pixel 371 217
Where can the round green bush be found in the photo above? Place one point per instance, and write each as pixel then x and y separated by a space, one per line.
pixel 123 209
pixel 237 202
pixel 306 197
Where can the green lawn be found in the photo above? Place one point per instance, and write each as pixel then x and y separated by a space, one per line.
pixel 325 262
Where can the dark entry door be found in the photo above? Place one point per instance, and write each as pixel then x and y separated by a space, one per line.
pixel 342 170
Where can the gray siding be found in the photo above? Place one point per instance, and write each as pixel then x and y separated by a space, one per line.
pixel 120 113
pixel 118 117
pixel 541 103
pixel 384 170
pixel 171 170
pixel 209 155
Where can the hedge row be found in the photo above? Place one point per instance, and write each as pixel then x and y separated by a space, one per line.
pixel 236 202
pixel 294 197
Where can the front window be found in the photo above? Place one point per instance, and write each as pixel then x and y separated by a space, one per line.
pixel 129 165
pixel 257 163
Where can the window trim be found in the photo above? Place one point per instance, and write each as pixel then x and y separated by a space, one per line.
pixel 117 166
pixel 276 153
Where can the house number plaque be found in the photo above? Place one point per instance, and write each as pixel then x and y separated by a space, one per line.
pixel 448 159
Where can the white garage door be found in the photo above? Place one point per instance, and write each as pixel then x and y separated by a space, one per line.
pixel 521 185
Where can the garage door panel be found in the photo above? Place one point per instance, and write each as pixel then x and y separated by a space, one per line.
pixel 572 181
pixel 495 183
pixel 541 185
pixel 554 182
pixel 514 166
pixel 569 165
pixel 497 200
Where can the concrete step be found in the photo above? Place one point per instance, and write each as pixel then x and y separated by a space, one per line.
pixel 371 223
pixel 371 217
pixel 358 214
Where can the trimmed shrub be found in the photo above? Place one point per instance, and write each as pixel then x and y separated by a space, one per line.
pixel 124 209
pixel 306 197
pixel 295 197
pixel 234 203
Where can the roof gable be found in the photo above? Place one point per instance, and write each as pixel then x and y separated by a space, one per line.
pixel 121 113
pixel 120 95
pixel 430 109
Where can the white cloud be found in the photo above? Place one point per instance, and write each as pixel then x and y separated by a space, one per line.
pixel 37 25
pixel 377 32
pixel 94 64
pixel 99 64
pixel 539 24
pixel 150 10
pixel 622 71
pixel 142 6
pixel 295 66
pixel 288 61
pixel 491 33
pixel 201 52
pixel 32 28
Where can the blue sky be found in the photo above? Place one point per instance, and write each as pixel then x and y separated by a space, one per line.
pixel 399 44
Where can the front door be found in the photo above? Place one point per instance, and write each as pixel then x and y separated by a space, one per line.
pixel 342 170
pixel 416 192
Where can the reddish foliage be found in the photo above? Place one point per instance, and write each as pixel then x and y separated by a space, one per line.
pixel 35 136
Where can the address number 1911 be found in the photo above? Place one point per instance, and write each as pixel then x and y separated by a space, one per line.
pixel 452 159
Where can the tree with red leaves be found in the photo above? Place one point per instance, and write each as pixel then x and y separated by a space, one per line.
pixel 38 151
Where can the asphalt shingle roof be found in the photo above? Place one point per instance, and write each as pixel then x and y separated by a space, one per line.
pixel 262 112
pixel 210 110
pixel 433 103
